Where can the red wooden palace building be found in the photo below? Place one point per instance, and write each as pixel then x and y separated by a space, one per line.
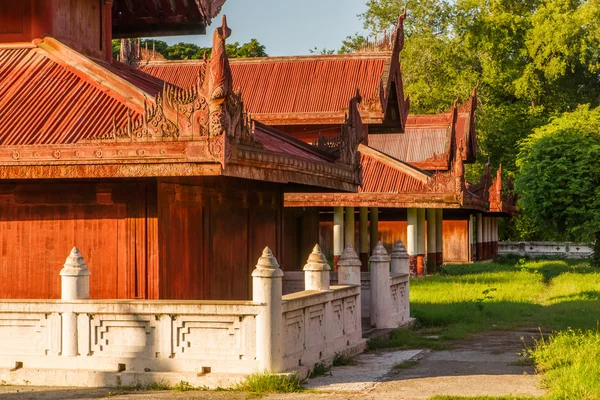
pixel 169 193
pixel 412 166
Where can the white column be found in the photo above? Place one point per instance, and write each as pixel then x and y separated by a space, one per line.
pixel 316 271
pixel 338 232
pixel 411 238
pixel 75 277
pixel 486 237
pixel 267 289
pixel 349 274
pixel 349 268
pixel 75 285
pixel 349 227
pixel 374 227
pixel 431 239
pixel 400 259
pixel 380 287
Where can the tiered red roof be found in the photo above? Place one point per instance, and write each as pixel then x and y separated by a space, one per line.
pixel 310 90
pixel 63 115
pixel 426 142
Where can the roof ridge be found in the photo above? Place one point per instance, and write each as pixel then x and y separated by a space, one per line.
pixel 267 59
pixel 95 73
pixel 402 166
pixel 295 141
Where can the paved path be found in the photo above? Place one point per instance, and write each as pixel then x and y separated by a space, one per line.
pixel 485 365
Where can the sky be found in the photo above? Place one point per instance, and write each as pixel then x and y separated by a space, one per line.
pixel 286 27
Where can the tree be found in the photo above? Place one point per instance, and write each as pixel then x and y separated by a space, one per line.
pixel 533 60
pixel 559 178
pixel 190 51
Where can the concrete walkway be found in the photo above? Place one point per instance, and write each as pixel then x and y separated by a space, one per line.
pixel 486 365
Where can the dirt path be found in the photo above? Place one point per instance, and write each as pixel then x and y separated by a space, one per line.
pixel 486 365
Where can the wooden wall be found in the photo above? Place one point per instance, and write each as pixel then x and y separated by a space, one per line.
pixel 212 233
pixel 456 241
pixel 301 233
pixel 80 25
pixel 109 223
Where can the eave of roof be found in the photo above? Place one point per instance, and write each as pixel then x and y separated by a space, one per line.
pixel 304 90
pixel 145 18
pixel 75 156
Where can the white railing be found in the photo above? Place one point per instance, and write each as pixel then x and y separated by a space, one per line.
pixel 545 249
pixel 400 313
pixel 319 324
pixel 103 342
pixel 110 335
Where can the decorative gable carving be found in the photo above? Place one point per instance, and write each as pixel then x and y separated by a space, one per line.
pixel 209 111
pixel 352 134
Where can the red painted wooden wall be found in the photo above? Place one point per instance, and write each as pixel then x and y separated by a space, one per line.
pixel 212 236
pixel 456 241
pixel 41 222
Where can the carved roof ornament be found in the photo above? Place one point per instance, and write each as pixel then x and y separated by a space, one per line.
pixel 210 8
pixel 495 191
pixel 208 111
pixel 353 133
pixel 452 181
pixel 399 38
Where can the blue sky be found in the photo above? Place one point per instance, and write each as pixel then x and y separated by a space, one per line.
pixel 286 27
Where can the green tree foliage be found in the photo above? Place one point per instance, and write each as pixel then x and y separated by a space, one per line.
pixel 533 60
pixel 559 177
pixel 190 51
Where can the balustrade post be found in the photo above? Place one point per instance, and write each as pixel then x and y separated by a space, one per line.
pixel 75 285
pixel 317 272
pixel 400 259
pixel 267 289
pixel 380 287
pixel 349 267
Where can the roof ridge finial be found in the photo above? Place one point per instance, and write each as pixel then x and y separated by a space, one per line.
pixel 357 96
pixel 402 16
pixel 399 39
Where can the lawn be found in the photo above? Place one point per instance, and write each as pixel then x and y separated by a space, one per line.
pixel 558 297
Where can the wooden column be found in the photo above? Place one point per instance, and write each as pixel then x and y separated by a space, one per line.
pixel 338 234
pixel 374 227
pixel 363 237
pixel 439 240
pixel 420 241
pixel 431 240
pixel 411 239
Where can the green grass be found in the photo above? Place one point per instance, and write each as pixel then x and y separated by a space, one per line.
pixel 558 297
pixel 570 361
pixel 320 369
pixel 262 383
pixel 407 339
pixel 552 295
pixel 341 359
